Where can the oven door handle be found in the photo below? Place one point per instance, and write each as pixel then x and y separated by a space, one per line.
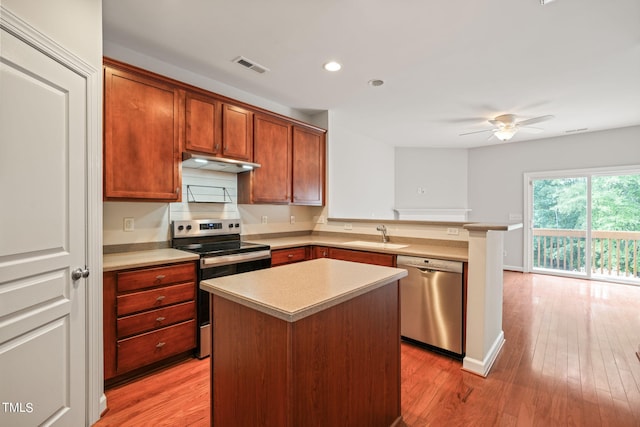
pixel 217 261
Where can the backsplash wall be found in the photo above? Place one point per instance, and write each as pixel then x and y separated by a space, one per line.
pixel 152 220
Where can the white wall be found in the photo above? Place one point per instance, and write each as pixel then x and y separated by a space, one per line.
pixel 442 173
pixel 360 171
pixel 496 173
pixel 74 24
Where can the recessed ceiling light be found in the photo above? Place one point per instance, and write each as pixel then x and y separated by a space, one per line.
pixel 376 82
pixel 332 66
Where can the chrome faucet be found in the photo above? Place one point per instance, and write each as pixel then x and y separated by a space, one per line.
pixel 383 229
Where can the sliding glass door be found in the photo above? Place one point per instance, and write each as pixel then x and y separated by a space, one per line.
pixel 615 226
pixel 584 224
pixel 560 224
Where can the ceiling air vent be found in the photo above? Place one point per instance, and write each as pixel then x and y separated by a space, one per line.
pixel 252 65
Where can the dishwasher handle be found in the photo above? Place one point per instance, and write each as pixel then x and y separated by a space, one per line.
pixel 429 264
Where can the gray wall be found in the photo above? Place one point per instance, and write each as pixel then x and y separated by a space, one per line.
pixel 496 173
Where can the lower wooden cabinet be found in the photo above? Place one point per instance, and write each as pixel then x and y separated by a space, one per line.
pixel 376 258
pixel 149 316
pixel 289 255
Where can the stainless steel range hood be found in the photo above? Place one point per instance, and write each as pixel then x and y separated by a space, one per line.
pixel 204 162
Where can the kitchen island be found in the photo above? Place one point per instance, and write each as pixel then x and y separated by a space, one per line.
pixel 315 343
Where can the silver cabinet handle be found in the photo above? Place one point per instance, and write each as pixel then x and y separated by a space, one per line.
pixel 290 256
pixel 160 345
pixel 160 276
pixel 160 298
pixel 160 319
pixel 79 273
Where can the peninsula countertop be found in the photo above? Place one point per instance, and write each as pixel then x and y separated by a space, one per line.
pixel 448 250
pixel 295 291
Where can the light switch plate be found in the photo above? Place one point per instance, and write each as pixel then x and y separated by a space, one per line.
pixel 128 224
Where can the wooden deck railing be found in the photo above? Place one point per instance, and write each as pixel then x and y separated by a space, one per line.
pixel 613 253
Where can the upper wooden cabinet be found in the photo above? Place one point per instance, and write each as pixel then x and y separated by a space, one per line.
pixel 203 124
pixel 271 183
pixel 217 128
pixel 293 164
pixel 141 136
pixel 308 166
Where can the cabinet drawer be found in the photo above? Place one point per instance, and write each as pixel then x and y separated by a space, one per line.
pixel 286 256
pixel 144 349
pixel 150 277
pixel 155 298
pixel 154 319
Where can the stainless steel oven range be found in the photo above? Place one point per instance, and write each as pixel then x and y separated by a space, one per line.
pixel 222 253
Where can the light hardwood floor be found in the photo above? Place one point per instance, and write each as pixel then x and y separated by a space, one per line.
pixel 568 360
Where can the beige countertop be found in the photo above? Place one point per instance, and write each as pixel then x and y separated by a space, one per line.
pixel 292 292
pixel 453 252
pixel 124 260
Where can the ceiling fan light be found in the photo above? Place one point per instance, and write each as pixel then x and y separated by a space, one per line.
pixel 504 134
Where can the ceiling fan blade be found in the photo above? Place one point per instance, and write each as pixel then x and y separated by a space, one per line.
pixel 477 131
pixel 495 122
pixel 530 129
pixel 535 120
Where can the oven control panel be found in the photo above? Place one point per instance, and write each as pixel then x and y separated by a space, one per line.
pixel 205 227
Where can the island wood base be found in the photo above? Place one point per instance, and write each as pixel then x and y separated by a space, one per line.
pixel 337 367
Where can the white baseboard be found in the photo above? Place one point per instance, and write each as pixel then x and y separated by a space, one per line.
pixel 482 367
pixel 513 268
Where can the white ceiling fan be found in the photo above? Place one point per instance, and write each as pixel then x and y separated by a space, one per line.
pixel 506 126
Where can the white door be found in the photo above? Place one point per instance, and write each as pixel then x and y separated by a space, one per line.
pixel 43 134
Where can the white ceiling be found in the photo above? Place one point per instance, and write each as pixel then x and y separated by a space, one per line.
pixel 448 66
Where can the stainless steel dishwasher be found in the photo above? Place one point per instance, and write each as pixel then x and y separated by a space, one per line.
pixel 431 303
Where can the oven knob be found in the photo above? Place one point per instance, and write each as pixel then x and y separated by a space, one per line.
pixel 237 225
pixel 180 227
pixel 188 227
pixel 230 225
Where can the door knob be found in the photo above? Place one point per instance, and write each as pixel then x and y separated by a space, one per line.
pixel 80 273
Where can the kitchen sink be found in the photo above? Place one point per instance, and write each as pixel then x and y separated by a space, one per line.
pixel 378 245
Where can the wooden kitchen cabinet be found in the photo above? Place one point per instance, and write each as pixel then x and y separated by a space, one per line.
pixel 216 128
pixel 319 252
pixel 237 133
pixel 375 258
pixel 289 255
pixel 293 164
pixel 203 124
pixel 308 172
pixel 142 126
pixel 271 183
pixel 149 318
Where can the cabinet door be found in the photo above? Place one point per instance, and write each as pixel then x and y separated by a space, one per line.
pixel 308 167
pixel 320 252
pixel 237 133
pixel 141 137
pixel 376 258
pixel 270 183
pixel 203 124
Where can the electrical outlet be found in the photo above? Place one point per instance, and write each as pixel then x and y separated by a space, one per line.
pixel 504 253
pixel 422 190
pixel 320 219
pixel 453 231
pixel 292 219
pixel 348 226
pixel 265 219
pixel 128 224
